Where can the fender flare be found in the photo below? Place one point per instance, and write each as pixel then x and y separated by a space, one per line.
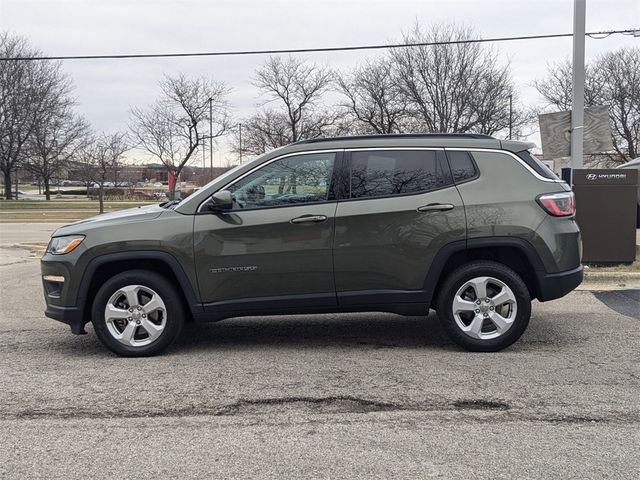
pixel 446 252
pixel 174 265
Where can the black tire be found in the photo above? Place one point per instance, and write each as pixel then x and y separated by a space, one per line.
pixel 483 268
pixel 173 320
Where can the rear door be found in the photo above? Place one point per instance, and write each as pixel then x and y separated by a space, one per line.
pixel 401 207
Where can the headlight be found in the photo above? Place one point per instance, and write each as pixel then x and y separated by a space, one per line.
pixel 63 245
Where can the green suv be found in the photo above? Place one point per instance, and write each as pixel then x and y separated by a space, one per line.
pixel 468 225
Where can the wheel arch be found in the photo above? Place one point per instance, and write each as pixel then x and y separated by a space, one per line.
pixel 516 253
pixel 106 266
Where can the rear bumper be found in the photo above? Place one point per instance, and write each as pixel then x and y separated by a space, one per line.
pixel 556 285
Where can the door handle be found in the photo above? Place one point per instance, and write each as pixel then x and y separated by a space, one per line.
pixel 309 219
pixel 435 207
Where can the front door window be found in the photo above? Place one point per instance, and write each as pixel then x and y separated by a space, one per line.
pixel 293 180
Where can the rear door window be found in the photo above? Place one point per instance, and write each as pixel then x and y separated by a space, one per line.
pixel 383 173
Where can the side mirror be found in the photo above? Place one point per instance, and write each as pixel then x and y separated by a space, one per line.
pixel 221 201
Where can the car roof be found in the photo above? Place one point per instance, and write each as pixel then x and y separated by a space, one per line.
pixel 442 140
pixel 426 140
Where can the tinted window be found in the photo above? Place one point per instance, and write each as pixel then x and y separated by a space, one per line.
pixel 383 173
pixel 288 181
pixel 539 167
pixel 461 165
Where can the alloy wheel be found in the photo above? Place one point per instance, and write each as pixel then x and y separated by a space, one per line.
pixel 135 315
pixel 484 308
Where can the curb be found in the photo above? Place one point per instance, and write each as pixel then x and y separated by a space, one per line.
pixel 610 280
pixel 612 276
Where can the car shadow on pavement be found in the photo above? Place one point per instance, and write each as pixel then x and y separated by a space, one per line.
pixel 354 331
pixel 376 330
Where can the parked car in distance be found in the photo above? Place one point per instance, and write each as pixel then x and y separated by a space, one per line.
pixel 468 225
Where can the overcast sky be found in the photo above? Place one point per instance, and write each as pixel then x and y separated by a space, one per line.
pixel 106 89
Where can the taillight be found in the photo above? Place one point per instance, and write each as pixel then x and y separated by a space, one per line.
pixel 557 204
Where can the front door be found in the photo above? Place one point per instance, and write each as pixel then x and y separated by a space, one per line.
pixel 274 248
pixel 402 208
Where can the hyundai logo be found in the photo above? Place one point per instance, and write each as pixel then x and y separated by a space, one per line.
pixel 591 176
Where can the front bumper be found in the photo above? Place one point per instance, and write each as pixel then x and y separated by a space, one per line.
pixel 72 316
pixel 556 285
pixel 61 298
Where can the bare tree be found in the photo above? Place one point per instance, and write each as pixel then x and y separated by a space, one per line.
pixel 264 131
pixel 556 88
pixel 174 127
pixel 373 99
pixel 612 80
pixel 55 140
pixel 298 86
pixel 498 110
pixel 452 87
pixel 83 163
pixel 294 90
pixel 28 89
pixel 101 158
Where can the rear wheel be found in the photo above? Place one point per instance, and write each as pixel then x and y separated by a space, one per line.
pixel 137 313
pixel 484 306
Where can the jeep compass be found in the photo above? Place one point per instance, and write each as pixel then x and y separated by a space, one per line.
pixel 468 225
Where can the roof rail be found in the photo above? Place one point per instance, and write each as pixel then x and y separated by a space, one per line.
pixel 477 136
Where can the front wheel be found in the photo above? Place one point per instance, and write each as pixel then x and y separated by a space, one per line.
pixel 484 306
pixel 137 313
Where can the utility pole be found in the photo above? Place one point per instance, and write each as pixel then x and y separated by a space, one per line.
pixel 577 97
pixel 204 153
pixel 211 135
pixel 240 140
pixel 510 116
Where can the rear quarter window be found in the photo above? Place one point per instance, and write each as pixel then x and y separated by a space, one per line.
pixel 462 166
pixel 537 166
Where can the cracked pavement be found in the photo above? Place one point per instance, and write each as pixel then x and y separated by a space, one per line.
pixel 327 396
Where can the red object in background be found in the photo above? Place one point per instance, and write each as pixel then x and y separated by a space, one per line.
pixel 172 179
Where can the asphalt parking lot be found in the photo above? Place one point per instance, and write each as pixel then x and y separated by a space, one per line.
pixel 330 396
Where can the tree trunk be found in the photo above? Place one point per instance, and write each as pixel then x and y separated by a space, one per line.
pixel 47 191
pixel 7 185
pixel 101 198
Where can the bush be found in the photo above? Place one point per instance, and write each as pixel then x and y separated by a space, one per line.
pixel 77 191
pixel 111 193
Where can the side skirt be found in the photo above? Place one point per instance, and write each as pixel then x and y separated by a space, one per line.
pixel 369 301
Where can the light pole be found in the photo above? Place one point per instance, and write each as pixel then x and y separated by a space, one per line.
pixel 211 135
pixel 510 116
pixel 204 153
pixel 240 140
pixel 577 97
